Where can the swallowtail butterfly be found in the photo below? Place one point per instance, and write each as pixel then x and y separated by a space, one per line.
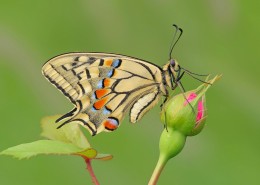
pixel 103 87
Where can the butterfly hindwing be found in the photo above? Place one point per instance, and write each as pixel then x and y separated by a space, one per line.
pixel 103 87
pixel 144 104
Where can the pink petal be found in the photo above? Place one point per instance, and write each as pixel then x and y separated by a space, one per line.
pixel 191 97
pixel 200 111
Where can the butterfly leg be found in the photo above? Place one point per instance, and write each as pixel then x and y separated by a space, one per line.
pixel 161 106
pixel 165 126
pixel 165 100
pixel 180 76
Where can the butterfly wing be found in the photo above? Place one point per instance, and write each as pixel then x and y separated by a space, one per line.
pixel 103 87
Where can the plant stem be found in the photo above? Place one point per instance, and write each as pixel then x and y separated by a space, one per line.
pixel 91 172
pixel 158 169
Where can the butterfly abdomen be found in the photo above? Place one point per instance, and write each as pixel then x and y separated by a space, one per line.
pixel 143 104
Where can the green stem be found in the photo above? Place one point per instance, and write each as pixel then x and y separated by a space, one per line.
pixel 171 143
pixel 158 169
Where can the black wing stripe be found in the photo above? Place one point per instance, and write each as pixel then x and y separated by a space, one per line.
pixel 63 67
pixel 148 69
pixel 88 74
pixel 86 124
pixel 69 114
pixel 148 104
pixel 101 62
pixel 60 88
pixel 128 93
pixel 82 88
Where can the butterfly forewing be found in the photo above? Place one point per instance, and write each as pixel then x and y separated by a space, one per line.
pixel 103 87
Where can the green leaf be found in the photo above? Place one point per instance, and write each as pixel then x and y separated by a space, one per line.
pixel 69 133
pixel 28 150
pixel 68 140
pixel 104 157
pixel 91 153
pixel 88 153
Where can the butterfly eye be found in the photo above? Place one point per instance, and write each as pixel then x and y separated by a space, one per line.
pixel 172 62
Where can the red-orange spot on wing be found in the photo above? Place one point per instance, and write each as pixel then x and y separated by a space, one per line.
pixel 108 62
pixel 101 92
pixel 109 125
pixel 106 82
pixel 100 103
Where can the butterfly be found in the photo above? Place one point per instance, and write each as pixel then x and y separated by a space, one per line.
pixel 103 87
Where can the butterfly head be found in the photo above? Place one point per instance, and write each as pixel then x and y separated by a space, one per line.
pixel 173 64
pixel 174 69
pixel 173 73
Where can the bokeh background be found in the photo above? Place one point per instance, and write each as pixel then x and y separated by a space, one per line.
pixel 220 37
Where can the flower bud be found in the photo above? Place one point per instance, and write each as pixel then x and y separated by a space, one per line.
pixel 183 115
pixel 186 112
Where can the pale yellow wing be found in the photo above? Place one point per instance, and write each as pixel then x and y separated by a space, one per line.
pixel 103 87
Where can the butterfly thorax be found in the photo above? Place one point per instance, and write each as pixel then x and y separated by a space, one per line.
pixel 172 73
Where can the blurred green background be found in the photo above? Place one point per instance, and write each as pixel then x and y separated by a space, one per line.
pixel 220 37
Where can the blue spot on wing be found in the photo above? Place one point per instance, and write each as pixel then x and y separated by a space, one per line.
pixel 100 84
pixel 93 109
pixel 93 96
pixel 116 63
pixel 110 73
pixel 106 111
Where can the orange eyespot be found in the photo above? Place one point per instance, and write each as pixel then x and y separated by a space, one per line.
pixel 100 103
pixel 108 62
pixel 101 92
pixel 106 82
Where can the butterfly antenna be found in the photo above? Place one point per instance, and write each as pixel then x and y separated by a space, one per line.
pixel 173 43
